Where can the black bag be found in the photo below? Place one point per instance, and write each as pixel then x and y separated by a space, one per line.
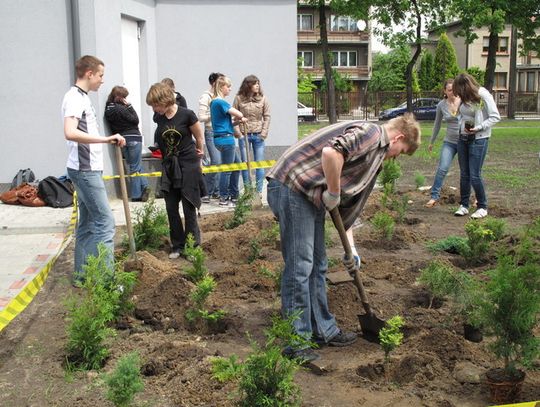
pixel 23 176
pixel 56 193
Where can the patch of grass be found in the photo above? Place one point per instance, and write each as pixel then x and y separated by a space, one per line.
pixel 305 129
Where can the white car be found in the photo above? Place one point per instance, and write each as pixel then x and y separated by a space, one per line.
pixel 305 114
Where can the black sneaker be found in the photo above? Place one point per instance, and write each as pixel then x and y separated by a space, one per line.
pixel 343 339
pixel 304 355
pixel 145 194
pixel 215 196
pixel 224 201
pixel 205 199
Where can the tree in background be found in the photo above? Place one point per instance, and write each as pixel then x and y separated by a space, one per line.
pixel 412 15
pixel 476 73
pixel 426 73
pixel 389 70
pixel 494 14
pixel 445 62
pixel 342 83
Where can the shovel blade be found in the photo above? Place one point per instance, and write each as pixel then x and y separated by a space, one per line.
pixel 371 326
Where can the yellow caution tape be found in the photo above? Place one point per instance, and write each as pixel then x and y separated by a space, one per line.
pixel 527 404
pixel 207 169
pixel 25 297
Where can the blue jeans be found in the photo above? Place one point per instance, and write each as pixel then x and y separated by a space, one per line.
pixel 96 221
pixel 471 157
pixel 212 179
pixel 132 153
pixel 303 282
pixel 228 181
pixel 448 151
pixel 257 146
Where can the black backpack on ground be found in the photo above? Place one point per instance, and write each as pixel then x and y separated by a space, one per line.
pixel 56 193
pixel 23 176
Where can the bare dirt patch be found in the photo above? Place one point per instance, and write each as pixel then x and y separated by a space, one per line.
pixel 425 371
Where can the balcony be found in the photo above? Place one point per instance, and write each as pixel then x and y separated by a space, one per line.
pixel 334 37
pixel 362 72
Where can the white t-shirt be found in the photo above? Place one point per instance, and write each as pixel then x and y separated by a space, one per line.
pixel 82 157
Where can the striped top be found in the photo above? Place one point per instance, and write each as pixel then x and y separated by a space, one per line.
pixel 82 156
pixel 363 146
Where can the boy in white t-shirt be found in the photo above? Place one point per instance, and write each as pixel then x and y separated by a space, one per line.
pixel 85 164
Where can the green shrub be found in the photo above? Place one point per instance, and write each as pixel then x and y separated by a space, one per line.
pixel 479 238
pixel 103 297
pixel 391 336
pixel 195 254
pixel 255 251
pixel 391 171
pixel 149 227
pixel 266 377
pixel 384 224
pixel 419 179
pixel 271 234
pixel 125 381
pixel 439 279
pixel 198 296
pixel 510 312
pixel 527 250
pixel 452 244
pixel 400 206
pixel 242 209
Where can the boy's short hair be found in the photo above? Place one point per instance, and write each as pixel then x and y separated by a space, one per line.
pixel 410 128
pixel 161 95
pixel 87 63
pixel 169 82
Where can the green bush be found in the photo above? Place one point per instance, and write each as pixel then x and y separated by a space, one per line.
pixel 125 381
pixel 266 377
pixel 419 179
pixel 149 227
pixel 510 312
pixel 439 279
pixel 255 250
pixel 195 254
pixel 198 296
pixel 400 206
pixel 384 224
pixel 391 171
pixel 479 238
pixel 391 336
pixel 104 295
pixel 452 244
pixel 242 209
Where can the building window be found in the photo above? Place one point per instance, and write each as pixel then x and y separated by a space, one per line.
pixel 342 23
pixel 306 59
pixel 500 80
pixel 502 47
pixel 530 81
pixel 304 22
pixel 344 58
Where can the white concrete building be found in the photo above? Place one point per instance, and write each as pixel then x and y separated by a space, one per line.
pixel 140 41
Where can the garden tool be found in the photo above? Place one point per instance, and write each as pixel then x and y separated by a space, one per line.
pixel 123 189
pixel 371 325
pixel 256 198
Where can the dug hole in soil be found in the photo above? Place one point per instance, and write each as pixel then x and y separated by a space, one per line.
pixel 435 365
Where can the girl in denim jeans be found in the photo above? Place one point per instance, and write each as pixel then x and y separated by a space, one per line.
pixel 478 114
pixel 251 101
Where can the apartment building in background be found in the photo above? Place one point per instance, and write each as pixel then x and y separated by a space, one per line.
pixel 475 55
pixel 348 43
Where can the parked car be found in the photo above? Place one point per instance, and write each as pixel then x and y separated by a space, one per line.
pixel 306 114
pixel 423 109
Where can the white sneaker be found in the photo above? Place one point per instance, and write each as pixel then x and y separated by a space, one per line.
pixel 174 254
pixel 462 211
pixel 480 213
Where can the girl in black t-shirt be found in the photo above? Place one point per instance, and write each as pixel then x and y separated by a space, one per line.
pixel 180 139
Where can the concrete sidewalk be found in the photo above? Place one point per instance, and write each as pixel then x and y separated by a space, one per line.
pixel 31 237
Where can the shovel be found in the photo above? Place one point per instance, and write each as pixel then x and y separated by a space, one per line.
pixel 125 201
pixel 371 325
